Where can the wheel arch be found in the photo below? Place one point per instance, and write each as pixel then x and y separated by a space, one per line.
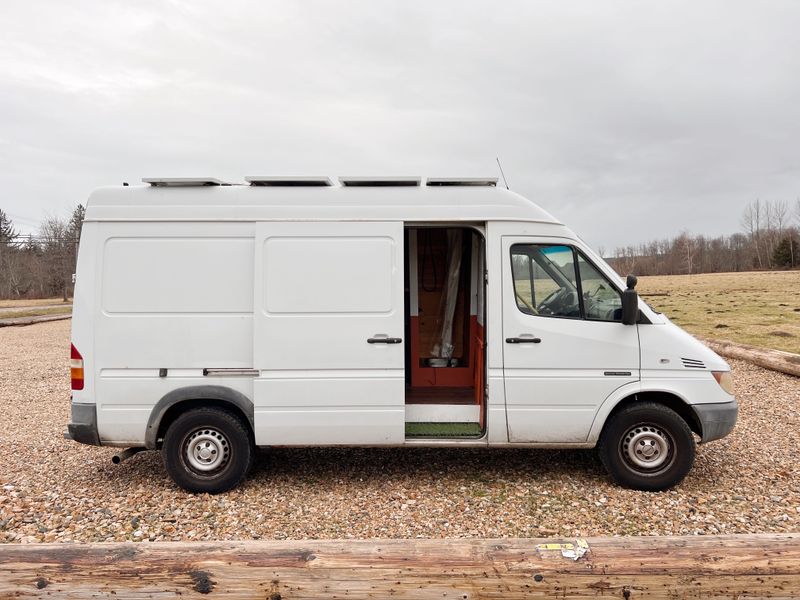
pixel 171 405
pixel 670 399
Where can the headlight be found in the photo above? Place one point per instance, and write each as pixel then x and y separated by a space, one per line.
pixel 725 380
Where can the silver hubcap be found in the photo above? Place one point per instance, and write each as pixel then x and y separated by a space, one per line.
pixel 207 450
pixel 646 447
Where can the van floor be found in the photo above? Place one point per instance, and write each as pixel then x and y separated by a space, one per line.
pixel 440 395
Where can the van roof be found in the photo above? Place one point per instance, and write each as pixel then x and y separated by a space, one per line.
pixel 208 202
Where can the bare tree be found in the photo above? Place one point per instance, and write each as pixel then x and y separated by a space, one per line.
pixel 751 223
pixel 780 211
pixel 56 245
pixel 625 260
pixel 686 248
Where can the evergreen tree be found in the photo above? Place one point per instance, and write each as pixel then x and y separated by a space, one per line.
pixel 7 232
pixel 785 253
pixel 76 222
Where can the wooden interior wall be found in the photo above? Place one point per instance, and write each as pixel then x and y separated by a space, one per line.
pixel 425 325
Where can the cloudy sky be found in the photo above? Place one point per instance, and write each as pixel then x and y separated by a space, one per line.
pixel 629 120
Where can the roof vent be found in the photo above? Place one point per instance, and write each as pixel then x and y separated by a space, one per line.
pixel 278 181
pixel 182 181
pixel 380 181
pixel 693 363
pixel 464 181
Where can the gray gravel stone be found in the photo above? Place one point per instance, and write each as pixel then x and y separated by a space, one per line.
pixel 53 489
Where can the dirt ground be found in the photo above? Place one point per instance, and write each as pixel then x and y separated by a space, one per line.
pixel 53 489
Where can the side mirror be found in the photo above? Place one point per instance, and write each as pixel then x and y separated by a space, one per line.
pixel 630 302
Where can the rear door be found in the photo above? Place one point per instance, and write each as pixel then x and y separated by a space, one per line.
pixel 328 323
pixel 565 349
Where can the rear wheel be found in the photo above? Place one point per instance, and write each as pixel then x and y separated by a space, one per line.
pixel 208 450
pixel 647 446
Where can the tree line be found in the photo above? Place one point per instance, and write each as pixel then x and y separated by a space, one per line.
pixel 769 239
pixel 39 265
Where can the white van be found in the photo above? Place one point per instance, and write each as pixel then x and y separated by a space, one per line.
pixel 211 318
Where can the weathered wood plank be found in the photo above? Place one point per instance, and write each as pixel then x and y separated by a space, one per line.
pixel 776 360
pixel 22 321
pixel 764 566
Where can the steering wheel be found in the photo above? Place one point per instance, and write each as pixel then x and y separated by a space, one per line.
pixel 545 305
pixel 560 302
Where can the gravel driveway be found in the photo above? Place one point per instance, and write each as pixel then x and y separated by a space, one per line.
pixel 52 489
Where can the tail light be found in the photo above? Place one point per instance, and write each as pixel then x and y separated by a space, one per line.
pixel 76 368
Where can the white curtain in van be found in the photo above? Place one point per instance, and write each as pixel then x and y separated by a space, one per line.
pixel 443 348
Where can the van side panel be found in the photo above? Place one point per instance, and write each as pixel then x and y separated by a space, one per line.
pixel 83 310
pixel 327 297
pixel 174 296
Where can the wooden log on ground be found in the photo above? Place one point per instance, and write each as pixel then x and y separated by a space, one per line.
pixel 745 566
pixel 22 321
pixel 776 360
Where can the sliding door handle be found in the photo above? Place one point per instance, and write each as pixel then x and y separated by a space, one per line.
pixel 384 340
pixel 523 340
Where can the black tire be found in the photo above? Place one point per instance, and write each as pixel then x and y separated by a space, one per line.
pixel 221 446
pixel 647 446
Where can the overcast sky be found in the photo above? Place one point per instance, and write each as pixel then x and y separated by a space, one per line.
pixel 628 120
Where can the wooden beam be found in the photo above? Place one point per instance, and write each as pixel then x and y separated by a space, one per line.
pixel 763 566
pixel 776 360
pixel 22 321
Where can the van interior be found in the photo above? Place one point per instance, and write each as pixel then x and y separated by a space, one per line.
pixel 444 320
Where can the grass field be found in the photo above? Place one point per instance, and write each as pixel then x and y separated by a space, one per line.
pixel 36 312
pixel 761 308
pixel 32 302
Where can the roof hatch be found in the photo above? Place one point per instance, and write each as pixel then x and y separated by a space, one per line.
pixel 182 181
pixel 476 181
pixel 380 181
pixel 281 181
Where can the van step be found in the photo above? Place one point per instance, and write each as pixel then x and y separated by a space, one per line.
pixel 446 430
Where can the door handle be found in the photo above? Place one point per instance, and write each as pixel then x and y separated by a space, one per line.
pixel 523 340
pixel 384 340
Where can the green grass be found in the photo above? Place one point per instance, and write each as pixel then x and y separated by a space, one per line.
pixel 443 430
pixel 36 312
pixel 31 302
pixel 759 308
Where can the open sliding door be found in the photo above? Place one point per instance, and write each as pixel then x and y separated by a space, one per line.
pixel 328 323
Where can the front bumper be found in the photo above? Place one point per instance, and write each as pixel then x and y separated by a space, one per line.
pixel 716 420
pixel 83 425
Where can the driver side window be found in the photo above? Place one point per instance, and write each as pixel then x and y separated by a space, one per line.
pixel 545 281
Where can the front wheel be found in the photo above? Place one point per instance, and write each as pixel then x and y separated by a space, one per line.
pixel 208 450
pixel 647 446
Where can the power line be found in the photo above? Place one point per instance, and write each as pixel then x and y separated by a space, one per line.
pixel 15 217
